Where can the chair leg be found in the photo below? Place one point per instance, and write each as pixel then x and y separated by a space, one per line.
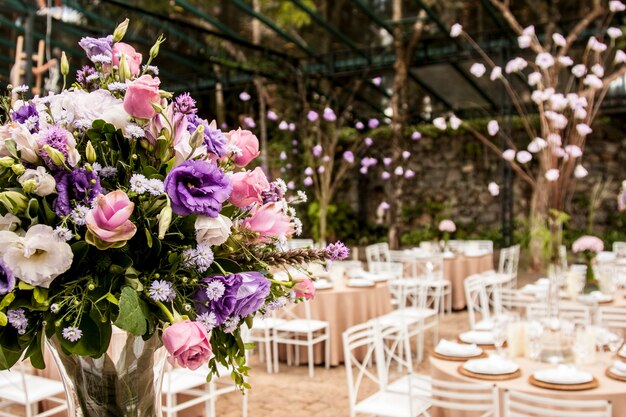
pixel 327 349
pixel 244 405
pixel 275 352
pixel 268 355
pixel 212 400
pixel 309 351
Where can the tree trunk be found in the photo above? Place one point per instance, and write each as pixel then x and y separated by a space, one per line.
pixel 323 216
pixel 260 89
pixel 537 217
pixel 220 111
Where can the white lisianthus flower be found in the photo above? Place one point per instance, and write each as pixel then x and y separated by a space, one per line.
pixel 212 231
pixel 456 30
pixel 580 171
pixel 558 39
pixel 508 155
pixel 579 70
pixel 552 174
pixel 544 60
pixel 524 157
pixel 494 189
pixel 583 129
pixel 82 105
pixel 496 73
pixel 9 222
pixel 534 78
pixel 455 122
pixel 36 258
pixel 44 182
pixel 493 127
pixel 440 123
pixel 614 33
pixel 616 6
pixel 565 61
pixel 477 69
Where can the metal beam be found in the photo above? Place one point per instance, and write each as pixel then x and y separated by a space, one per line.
pixel 430 90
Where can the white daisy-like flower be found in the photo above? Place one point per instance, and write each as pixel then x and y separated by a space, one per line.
pixel 92 77
pixel 135 131
pixel 31 122
pixel 230 324
pixel 79 214
pixel 20 89
pixel 138 183
pixel 151 69
pixel 302 196
pixel 117 86
pixel 155 187
pixel 73 334
pixel 82 124
pixel 62 233
pixel 208 320
pixel 215 290
pixel 101 59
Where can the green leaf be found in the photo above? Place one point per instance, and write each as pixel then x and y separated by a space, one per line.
pixel 12 148
pixel 111 299
pixel 35 352
pixel 94 341
pixel 40 294
pixel 7 300
pixel 48 212
pixel 79 249
pixel 3 319
pixel 24 286
pixel 98 124
pixel 135 283
pixel 131 317
pixel 148 238
pixel 10 349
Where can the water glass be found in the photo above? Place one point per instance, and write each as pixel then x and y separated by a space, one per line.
pixel 534 331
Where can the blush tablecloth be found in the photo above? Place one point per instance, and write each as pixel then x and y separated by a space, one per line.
pixel 458 268
pixel 609 389
pixel 343 307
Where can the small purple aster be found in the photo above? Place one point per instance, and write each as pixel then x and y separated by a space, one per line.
pixel 161 290
pixel 84 77
pixel 337 251
pixel 73 334
pixel 208 320
pixel 17 319
pixel 274 194
pixel 185 104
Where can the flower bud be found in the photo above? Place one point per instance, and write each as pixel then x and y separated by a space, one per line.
pixel 65 65
pixel 7 162
pixel 165 218
pixel 120 31
pixel 14 201
pixel 91 286
pixel 197 138
pixel 165 94
pixel 55 155
pixel 124 68
pixel 157 107
pixel 90 152
pixel 29 186
pixel 154 51
pixel 18 169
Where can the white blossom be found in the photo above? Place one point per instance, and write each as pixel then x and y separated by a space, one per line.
pixel 477 69
pixel 524 41
pixel 529 31
pixel 558 39
pixel 456 30
pixel 574 151
pixel 493 127
pixel 515 65
pixel 496 72
pixel 580 171
pixel 440 123
pixel 399 170
pixel 583 129
pixel 559 152
pixel 544 60
pixel 558 102
pixel 593 81
pixel 598 70
pixel 579 70
pixel 596 45
pixel 614 33
pixel 580 113
pixel 455 122
pixel 524 157
pixel 620 57
pixel 552 174
pixel 508 155
pixel 565 61
pixel 616 6
pixel 534 78
pixel 554 139
pixel 494 189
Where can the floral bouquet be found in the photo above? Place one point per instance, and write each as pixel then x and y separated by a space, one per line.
pixel 447 228
pixel 122 208
pixel 589 247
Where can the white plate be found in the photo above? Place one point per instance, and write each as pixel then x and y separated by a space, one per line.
pixel 596 297
pixel 478 337
pixel 563 375
pixel 491 366
pixel 464 351
pixel 360 282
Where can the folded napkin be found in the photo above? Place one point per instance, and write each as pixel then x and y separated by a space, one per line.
pixel 493 365
pixel 619 368
pixel 478 337
pixel 563 374
pixel 449 348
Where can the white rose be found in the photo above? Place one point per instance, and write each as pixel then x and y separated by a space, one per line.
pixel 212 230
pixel 9 222
pixel 36 258
pixel 46 184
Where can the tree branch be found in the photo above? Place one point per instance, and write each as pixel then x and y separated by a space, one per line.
pixel 596 12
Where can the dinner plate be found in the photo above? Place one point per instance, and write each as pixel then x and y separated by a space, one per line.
pixel 478 337
pixel 360 282
pixel 323 285
pixel 563 375
pixel 491 366
pixel 465 353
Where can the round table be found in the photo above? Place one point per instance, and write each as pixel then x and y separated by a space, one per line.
pixel 458 268
pixel 609 389
pixel 343 307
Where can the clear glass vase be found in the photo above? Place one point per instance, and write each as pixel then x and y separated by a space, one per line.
pixel 124 382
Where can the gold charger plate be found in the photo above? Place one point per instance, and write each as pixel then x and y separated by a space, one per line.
pixel 615 376
pixel 487 377
pixel 564 387
pixel 457 358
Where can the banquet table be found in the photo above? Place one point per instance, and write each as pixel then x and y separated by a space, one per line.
pixel 608 389
pixel 459 267
pixel 343 306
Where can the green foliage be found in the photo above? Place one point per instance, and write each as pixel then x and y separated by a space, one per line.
pixel 287 14
pixel 341 221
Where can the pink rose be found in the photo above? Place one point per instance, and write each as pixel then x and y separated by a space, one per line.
pixel 133 58
pixel 140 94
pixel 248 186
pixel 247 143
pixel 108 222
pixel 305 289
pixel 269 220
pixel 188 344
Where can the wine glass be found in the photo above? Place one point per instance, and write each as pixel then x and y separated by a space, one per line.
pixel 500 332
pixel 615 340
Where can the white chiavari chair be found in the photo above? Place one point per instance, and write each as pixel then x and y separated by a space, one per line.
pixel 518 404
pixel 612 317
pixel 577 314
pixel 262 333
pixel 477 299
pixel 620 249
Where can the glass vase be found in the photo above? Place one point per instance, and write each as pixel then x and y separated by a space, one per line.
pixel 591 283
pixel 124 382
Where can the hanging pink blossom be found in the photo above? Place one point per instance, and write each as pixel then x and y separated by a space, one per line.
pixel 312 116
pixel 616 6
pixel 283 156
pixel 329 115
pixel 493 127
pixel 317 150
pixel 292 127
pixel 496 73
pixel 558 39
pixel 477 69
pixel 552 174
pixel 385 175
pixel 308 181
pixel 308 171
pixel 377 81
pixel 509 154
pixel 249 121
pixel 406 155
pixel 283 125
pixel 524 157
pixel 583 129
pixel 349 157
pixel 359 126
pixel 271 115
pixel 580 171
pixel 373 123
pixel 321 169
pixel 494 189
pixel 398 171
pixel 574 151
pixel 456 30
pixel 409 174
pixel 455 122
pixel 416 135
pixel 579 70
pixel 368 141
pixel 244 96
pixel 387 161
pixel 384 206
pixel 440 123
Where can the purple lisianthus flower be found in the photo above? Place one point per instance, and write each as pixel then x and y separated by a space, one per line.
pixel 185 104
pixel 197 187
pixel 251 294
pixel 7 280
pixel 97 46
pixel 75 188
pixel 337 251
pixel 214 139
pixel 27 115
pixel 221 303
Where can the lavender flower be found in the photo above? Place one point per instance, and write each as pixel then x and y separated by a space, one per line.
pixel 17 319
pixel 27 115
pixel 373 123
pixel 197 187
pixel 138 183
pixel 337 251
pixel 7 280
pixel 161 290
pixel 76 187
pixel 275 193
pixel 57 138
pixel 277 304
pixel 208 320
pixel 79 214
pixel 199 258
pixel 107 172
pixel 82 77
pixel 185 104
pixel 150 69
pixel 251 294
pixel 20 89
pixel 97 46
pixel 134 131
pixel 73 334
pixel 215 290
pixel 214 140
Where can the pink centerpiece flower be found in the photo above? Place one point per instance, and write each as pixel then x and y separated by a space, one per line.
pixel 140 95
pixel 247 187
pixel 269 220
pixel 247 144
pixel 447 226
pixel 589 244
pixel 108 223
pixel 188 344
pixel 305 288
pixel 133 58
